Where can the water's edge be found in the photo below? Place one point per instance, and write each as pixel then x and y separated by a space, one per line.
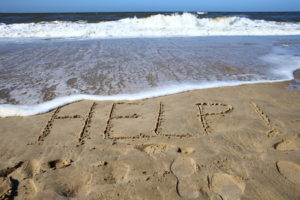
pixel 9 110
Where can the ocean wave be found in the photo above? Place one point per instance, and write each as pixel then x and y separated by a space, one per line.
pixel 186 24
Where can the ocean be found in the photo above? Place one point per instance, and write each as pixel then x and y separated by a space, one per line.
pixel 48 60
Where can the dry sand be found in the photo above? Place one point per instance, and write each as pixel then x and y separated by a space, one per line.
pixel 225 143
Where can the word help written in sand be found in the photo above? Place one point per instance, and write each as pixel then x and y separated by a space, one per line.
pixel 114 116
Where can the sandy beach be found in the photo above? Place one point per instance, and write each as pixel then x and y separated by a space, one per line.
pixel 229 143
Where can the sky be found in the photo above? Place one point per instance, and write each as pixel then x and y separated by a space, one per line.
pixel 146 5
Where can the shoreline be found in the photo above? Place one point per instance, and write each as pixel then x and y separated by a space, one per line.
pixel 10 110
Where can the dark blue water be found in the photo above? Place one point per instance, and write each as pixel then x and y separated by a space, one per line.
pixel 12 18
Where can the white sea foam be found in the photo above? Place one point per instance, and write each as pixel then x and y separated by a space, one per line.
pixel 8 110
pixel 284 62
pixel 159 25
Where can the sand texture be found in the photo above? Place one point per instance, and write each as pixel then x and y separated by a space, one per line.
pixel 215 144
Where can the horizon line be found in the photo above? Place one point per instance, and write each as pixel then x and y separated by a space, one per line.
pixel 66 12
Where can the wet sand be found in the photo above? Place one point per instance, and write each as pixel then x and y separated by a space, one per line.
pixel 228 143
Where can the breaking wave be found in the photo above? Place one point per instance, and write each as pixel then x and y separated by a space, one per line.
pixel 159 25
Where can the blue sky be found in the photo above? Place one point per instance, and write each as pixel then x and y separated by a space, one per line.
pixel 146 5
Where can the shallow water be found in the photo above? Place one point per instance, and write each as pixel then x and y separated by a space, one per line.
pixel 35 71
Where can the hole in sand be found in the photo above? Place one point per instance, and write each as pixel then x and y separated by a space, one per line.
pixel 54 164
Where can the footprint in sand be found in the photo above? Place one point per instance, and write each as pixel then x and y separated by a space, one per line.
pixel 186 150
pixel 59 163
pixel 161 148
pixel 153 148
pixel 68 187
pixel 7 171
pixel 227 186
pixel 120 172
pixel 183 168
pixel 5 188
pixel 114 173
pixel 288 145
pixel 31 168
pixel 289 170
